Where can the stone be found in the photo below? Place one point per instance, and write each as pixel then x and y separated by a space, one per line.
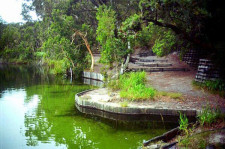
pixel 217 138
pixel 154 146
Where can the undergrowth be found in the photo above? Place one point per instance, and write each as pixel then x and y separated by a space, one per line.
pixel 208 116
pixel 170 94
pixel 215 87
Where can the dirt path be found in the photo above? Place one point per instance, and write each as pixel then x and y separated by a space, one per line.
pixel 175 82
pixel 181 82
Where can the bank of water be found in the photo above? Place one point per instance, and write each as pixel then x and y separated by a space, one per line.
pixel 37 111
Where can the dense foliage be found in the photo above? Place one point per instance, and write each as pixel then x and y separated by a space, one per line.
pixel 113 27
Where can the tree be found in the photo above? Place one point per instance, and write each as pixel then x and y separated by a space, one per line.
pixel 186 18
pixel 86 44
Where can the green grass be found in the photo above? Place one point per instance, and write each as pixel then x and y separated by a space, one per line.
pixel 170 94
pixel 208 116
pixel 183 121
pixel 198 141
pixel 214 87
pixel 132 86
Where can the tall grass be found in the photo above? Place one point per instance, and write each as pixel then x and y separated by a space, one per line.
pixel 183 123
pixel 216 86
pixel 208 115
pixel 132 86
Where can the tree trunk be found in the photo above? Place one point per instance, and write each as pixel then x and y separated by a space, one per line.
pixel 87 45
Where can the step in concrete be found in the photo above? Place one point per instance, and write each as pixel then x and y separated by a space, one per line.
pixel 157 69
pixel 153 64
pixel 153 60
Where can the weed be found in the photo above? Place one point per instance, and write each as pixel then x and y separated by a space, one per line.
pixel 185 142
pixel 208 115
pixel 175 95
pixel 124 104
pixel 183 123
pixel 198 141
pixel 114 85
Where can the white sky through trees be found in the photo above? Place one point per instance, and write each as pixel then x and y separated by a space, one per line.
pixel 10 11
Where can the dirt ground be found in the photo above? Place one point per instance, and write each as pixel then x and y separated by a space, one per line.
pixel 178 81
pixel 181 82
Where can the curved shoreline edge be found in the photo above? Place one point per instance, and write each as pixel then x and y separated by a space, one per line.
pixel 82 103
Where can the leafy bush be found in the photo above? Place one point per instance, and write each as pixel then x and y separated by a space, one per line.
pixel 164 44
pixel 208 116
pixel 113 48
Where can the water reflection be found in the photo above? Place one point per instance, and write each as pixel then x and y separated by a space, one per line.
pixel 93 82
pixel 37 110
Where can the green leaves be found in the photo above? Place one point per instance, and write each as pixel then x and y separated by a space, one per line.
pixel 112 48
pixel 183 121
pixel 208 115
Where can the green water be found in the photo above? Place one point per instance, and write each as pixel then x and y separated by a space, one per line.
pixel 37 111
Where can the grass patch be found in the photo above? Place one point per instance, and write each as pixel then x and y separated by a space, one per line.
pixel 132 86
pixel 208 116
pixel 214 87
pixel 198 141
pixel 170 94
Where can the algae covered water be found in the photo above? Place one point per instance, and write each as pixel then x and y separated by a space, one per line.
pixel 37 111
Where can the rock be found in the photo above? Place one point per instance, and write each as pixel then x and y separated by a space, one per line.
pixel 210 147
pixel 154 146
pixel 217 138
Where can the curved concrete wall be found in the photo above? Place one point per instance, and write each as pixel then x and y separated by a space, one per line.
pixel 82 103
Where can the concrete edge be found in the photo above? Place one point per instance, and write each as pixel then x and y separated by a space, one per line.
pixel 93 75
pixel 117 109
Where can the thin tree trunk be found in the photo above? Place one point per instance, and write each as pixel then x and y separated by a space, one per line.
pixel 87 45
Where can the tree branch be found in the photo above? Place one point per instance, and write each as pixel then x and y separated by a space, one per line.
pixel 183 33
